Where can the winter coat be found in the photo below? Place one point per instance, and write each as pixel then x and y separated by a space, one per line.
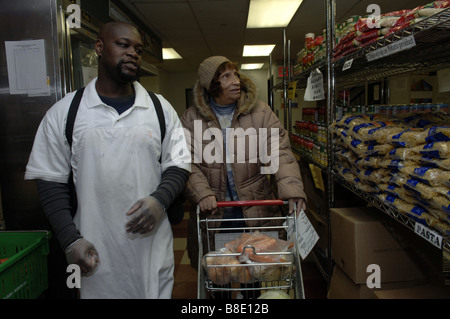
pixel 254 117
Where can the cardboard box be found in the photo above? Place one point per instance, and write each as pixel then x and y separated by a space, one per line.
pixel 359 238
pixel 343 287
pixel 420 292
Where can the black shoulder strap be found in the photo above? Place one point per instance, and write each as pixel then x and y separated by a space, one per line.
pixel 76 102
pixel 73 114
pixel 160 113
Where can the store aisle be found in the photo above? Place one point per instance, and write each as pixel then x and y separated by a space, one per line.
pixel 185 286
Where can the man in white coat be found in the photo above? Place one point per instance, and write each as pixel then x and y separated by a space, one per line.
pixel 125 176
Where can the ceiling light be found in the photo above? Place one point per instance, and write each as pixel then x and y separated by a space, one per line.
pixel 258 50
pixel 271 13
pixel 251 66
pixel 170 54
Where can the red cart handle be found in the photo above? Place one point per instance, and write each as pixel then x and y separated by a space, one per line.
pixel 266 202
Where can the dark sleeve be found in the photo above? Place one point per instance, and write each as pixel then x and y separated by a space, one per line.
pixel 172 183
pixel 55 199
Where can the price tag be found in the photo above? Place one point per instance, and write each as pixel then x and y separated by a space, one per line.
pixel 398 46
pixel 428 234
pixel 347 65
pixel 291 89
pixel 307 236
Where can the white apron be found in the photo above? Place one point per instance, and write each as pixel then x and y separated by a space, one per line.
pixel 115 168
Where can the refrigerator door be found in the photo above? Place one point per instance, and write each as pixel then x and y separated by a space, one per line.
pixel 24 20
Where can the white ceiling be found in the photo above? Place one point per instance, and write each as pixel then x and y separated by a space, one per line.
pixel 197 29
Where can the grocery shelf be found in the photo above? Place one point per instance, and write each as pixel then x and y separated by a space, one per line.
pixel 386 208
pixel 309 158
pixel 427 50
pixel 431 51
pixel 399 217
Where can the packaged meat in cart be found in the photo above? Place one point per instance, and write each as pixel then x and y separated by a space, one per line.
pixel 253 259
pixel 222 267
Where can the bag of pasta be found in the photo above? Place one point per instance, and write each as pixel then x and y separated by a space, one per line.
pixel 434 149
pixel 401 153
pixel 396 163
pixel 443 163
pixel 408 138
pixel 428 175
pixel 368 162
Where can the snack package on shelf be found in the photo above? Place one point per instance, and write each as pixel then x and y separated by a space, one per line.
pixel 418 14
pixel 416 212
pixel 435 162
pixel 413 175
pixel 430 176
pixel 374 176
pixel 396 164
pixel 368 29
pixel 439 150
pixel 368 162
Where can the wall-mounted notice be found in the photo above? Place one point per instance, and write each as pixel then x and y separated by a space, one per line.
pixel 27 68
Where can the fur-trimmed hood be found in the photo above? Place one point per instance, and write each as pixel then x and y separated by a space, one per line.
pixel 245 105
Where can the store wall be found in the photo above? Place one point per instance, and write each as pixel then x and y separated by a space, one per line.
pixel 408 89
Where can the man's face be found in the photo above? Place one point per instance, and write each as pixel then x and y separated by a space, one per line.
pixel 231 87
pixel 120 49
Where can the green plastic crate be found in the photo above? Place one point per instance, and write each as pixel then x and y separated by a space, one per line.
pixel 24 275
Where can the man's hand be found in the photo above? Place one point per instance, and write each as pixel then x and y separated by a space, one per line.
pixel 147 213
pixel 84 254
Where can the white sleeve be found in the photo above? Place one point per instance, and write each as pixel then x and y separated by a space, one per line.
pixel 50 156
pixel 174 151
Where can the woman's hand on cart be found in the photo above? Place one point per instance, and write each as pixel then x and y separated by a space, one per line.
pixel 208 204
pixel 299 205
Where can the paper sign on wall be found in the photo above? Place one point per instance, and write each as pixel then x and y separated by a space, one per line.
pixel 27 70
pixel 314 87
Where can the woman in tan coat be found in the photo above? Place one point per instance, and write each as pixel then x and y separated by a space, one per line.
pixel 237 145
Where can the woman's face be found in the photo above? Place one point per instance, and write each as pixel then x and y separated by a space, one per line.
pixel 231 87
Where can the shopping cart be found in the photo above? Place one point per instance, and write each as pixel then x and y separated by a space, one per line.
pixel 248 272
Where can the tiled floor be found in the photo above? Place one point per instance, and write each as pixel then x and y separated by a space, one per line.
pixel 185 286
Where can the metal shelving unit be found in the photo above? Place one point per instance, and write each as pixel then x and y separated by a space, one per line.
pixel 430 52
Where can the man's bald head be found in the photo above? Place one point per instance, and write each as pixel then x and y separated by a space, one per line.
pixel 111 28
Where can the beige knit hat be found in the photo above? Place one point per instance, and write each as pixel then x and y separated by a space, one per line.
pixel 208 68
